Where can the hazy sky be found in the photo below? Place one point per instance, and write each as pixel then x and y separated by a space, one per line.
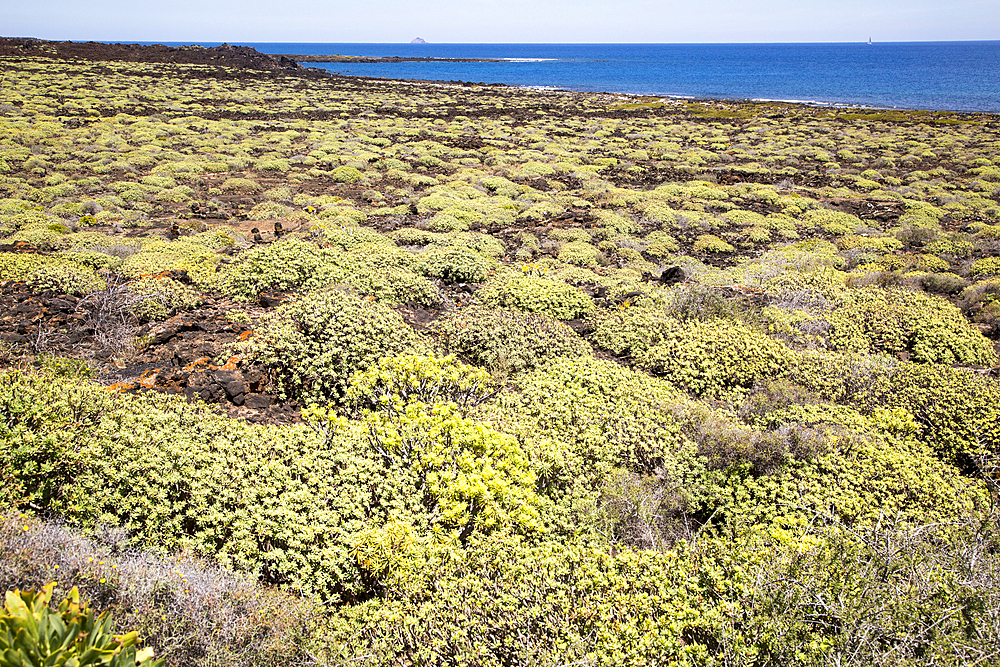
pixel 502 20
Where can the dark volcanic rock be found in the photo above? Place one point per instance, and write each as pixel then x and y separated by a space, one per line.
pixel 271 299
pixel 257 401
pixel 224 56
pixel 61 304
pixel 673 275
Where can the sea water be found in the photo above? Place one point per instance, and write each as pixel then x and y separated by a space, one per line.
pixel 946 76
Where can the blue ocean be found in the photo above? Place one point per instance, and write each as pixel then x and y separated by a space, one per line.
pixel 945 76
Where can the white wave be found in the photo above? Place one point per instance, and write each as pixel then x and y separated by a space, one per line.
pixel 817 103
pixel 528 60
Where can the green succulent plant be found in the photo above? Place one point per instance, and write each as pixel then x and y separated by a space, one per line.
pixel 32 634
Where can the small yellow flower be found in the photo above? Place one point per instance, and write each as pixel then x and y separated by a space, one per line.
pixel 103 580
pixel 55 567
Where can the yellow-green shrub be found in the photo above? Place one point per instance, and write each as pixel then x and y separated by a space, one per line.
pixel 988 266
pixel 290 263
pixel 548 297
pixel 454 264
pixel 312 346
pixel 579 253
pixel 642 607
pixel 392 284
pixel 957 412
pixel 832 222
pixel 713 244
pixel 242 185
pixel 162 297
pixel 64 277
pixel 585 421
pixel 925 327
pixel 184 254
pixel 18 265
pixel 714 358
pixel 508 341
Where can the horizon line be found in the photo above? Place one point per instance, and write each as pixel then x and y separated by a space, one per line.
pixel 428 43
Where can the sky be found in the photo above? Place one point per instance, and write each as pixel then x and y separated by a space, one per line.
pixel 502 21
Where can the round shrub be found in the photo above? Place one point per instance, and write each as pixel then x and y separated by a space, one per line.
pixel 899 322
pixel 240 185
pixel 269 210
pixel 468 477
pixel 65 278
pixel 455 220
pixel 538 295
pixel 956 244
pixel 715 358
pixel 871 468
pixel 713 244
pixel 988 266
pixel 958 412
pixel 90 258
pixel 601 416
pixel 345 174
pixel 579 253
pixel 288 264
pixel 395 382
pixel 642 607
pixel 314 344
pixel 18 266
pixel 454 264
pixel 508 341
pixel 184 254
pixel 381 254
pixel 179 194
pixel 162 297
pixel 944 283
pixel 924 262
pixel 383 270
pixel 350 236
pixel 499 185
pixel 265 164
pixel 281 194
pixel 217 238
pixel 413 236
pixel 486 245
pixel 392 284
pixel 339 214
pixel 710 357
pixel 832 222
pixel 631 331
pixel 660 244
pixel 42 237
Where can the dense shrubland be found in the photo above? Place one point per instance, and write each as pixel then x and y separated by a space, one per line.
pixel 516 445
